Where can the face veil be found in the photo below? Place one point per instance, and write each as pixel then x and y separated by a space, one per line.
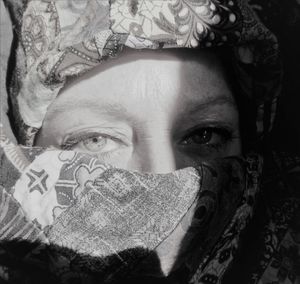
pixel 91 221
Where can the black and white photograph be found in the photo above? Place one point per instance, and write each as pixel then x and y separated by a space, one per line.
pixel 150 141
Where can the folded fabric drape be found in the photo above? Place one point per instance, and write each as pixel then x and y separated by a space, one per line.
pixel 66 217
pixel 88 221
pixel 62 39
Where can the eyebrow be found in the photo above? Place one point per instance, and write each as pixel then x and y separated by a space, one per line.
pixel 193 106
pixel 114 109
pixel 81 104
pixel 118 110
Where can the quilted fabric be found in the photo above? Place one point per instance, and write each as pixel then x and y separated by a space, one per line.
pixel 89 221
pixel 64 39
pixel 50 220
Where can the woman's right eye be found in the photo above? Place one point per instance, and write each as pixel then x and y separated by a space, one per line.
pixel 98 144
pixel 94 144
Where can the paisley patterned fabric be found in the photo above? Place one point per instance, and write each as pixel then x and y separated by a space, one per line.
pixel 61 39
pixel 80 219
pixel 65 217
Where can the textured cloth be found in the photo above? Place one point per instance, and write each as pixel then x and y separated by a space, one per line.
pixel 5 44
pixel 64 39
pixel 84 220
pixel 65 217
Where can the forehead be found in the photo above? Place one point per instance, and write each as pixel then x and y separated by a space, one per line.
pixel 138 81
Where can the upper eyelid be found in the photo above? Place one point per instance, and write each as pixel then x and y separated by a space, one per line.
pixel 76 138
pixel 70 141
pixel 94 132
pixel 217 129
pixel 207 125
pixel 226 137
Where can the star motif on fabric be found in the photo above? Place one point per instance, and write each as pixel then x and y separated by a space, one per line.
pixel 37 181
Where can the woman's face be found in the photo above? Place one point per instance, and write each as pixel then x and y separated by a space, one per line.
pixel 150 111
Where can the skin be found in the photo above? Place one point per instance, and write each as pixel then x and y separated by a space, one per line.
pixel 149 111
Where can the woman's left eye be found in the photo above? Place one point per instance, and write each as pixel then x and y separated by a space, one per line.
pixel 209 138
pixel 201 136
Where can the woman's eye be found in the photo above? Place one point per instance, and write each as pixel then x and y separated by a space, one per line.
pixel 206 141
pixel 201 136
pixel 96 144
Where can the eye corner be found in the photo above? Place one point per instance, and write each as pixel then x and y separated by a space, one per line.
pixel 212 140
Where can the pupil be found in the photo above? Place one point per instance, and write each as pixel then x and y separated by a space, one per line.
pixel 202 137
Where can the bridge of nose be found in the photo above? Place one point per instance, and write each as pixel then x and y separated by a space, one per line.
pixel 155 154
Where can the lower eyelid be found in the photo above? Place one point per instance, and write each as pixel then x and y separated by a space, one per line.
pixel 210 148
pixel 108 155
pixel 80 138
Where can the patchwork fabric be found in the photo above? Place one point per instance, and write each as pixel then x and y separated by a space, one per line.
pixel 61 39
pixel 80 219
pixel 56 223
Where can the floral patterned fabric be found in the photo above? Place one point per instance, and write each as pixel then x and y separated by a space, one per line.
pixel 61 39
pixel 75 218
pixel 65 217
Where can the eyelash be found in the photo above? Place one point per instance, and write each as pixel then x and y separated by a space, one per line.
pixel 72 141
pixel 225 134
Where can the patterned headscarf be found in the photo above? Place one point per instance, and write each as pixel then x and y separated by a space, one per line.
pixel 61 39
pixel 54 199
